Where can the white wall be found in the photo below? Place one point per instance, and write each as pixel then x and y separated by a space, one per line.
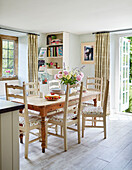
pixel 75 53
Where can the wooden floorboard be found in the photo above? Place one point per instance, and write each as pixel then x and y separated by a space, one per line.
pixel 114 153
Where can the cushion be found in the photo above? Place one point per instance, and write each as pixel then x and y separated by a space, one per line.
pixel 92 110
pixel 59 117
pixel 33 120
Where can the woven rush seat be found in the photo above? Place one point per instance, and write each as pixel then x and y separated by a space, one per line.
pixel 93 110
pixel 59 117
pixel 33 120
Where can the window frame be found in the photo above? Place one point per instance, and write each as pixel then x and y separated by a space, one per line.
pixel 15 39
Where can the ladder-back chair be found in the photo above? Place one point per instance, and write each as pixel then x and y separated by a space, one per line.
pixel 27 122
pixel 70 115
pixel 96 112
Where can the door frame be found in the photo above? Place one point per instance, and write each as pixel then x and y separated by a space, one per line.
pixel 117 68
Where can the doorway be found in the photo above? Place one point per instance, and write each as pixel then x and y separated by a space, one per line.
pixel 125 99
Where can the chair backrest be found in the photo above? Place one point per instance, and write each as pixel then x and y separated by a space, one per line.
pixel 11 95
pixel 32 88
pixel 94 84
pixel 54 84
pixel 106 97
pixel 76 103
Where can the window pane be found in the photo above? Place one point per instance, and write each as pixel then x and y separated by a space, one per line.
pixel 4 63
pixel 11 44
pixel 126 72
pixel 124 47
pixel 11 53
pixel 11 63
pixel 126 97
pixel 124 60
pixel 123 98
pixel 123 85
pixel 126 84
pixel 127 47
pixel 4 53
pixel 7 72
pixel 127 60
pixel 4 44
pixel 123 72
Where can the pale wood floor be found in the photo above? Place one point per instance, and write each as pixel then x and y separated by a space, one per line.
pixel 113 153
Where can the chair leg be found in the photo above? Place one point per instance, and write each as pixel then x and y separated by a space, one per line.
pixel 65 138
pixel 56 129
pixel 83 124
pixel 46 134
pixel 61 130
pixel 26 143
pixel 21 135
pixel 104 120
pixel 21 138
pixel 78 127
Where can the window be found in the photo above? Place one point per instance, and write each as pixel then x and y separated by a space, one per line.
pixel 8 57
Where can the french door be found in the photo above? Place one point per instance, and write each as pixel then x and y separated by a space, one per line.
pixel 124 73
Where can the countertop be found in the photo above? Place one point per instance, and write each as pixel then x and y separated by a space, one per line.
pixel 7 106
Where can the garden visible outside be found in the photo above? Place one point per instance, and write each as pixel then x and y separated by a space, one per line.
pixel 130 78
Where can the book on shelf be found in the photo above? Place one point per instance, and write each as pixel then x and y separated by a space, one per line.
pixel 60 51
pixel 55 51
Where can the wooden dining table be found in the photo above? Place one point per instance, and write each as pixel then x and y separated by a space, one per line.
pixel 44 107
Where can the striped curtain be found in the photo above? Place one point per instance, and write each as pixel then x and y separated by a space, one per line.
pixel 32 58
pixel 102 61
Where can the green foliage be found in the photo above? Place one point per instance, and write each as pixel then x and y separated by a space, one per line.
pixel 130 71
pixel 70 81
pixel 129 110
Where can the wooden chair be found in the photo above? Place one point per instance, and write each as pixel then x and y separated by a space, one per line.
pixel 54 84
pixel 27 122
pixel 96 112
pixel 32 88
pixel 94 84
pixel 68 117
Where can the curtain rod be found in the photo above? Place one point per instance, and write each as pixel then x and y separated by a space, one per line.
pixel 128 29
pixel 18 31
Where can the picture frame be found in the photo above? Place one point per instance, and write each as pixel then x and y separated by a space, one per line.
pixel 42 53
pixel 88 52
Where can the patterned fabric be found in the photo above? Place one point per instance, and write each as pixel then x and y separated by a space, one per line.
pixel 93 110
pixel 102 61
pixel 32 58
pixel 59 118
pixel 33 120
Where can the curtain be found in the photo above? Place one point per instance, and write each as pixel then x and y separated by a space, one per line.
pixel 32 58
pixel 102 61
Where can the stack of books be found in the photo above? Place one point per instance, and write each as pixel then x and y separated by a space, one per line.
pixel 50 38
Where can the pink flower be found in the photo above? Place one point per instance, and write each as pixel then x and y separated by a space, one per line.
pixel 60 72
pixel 60 76
pixel 81 74
pixel 7 71
pixel 66 73
pixel 79 78
pixel 51 63
pixel 56 76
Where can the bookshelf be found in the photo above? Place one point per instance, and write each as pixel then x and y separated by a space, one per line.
pixel 57 44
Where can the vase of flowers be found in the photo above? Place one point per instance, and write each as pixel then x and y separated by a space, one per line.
pixel 70 77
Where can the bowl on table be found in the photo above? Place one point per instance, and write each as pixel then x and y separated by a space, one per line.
pixel 52 97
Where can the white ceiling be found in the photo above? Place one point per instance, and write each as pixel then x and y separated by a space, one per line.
pixel 75 16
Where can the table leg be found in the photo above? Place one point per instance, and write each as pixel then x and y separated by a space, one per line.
pixel 43 134
pixel 95 104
